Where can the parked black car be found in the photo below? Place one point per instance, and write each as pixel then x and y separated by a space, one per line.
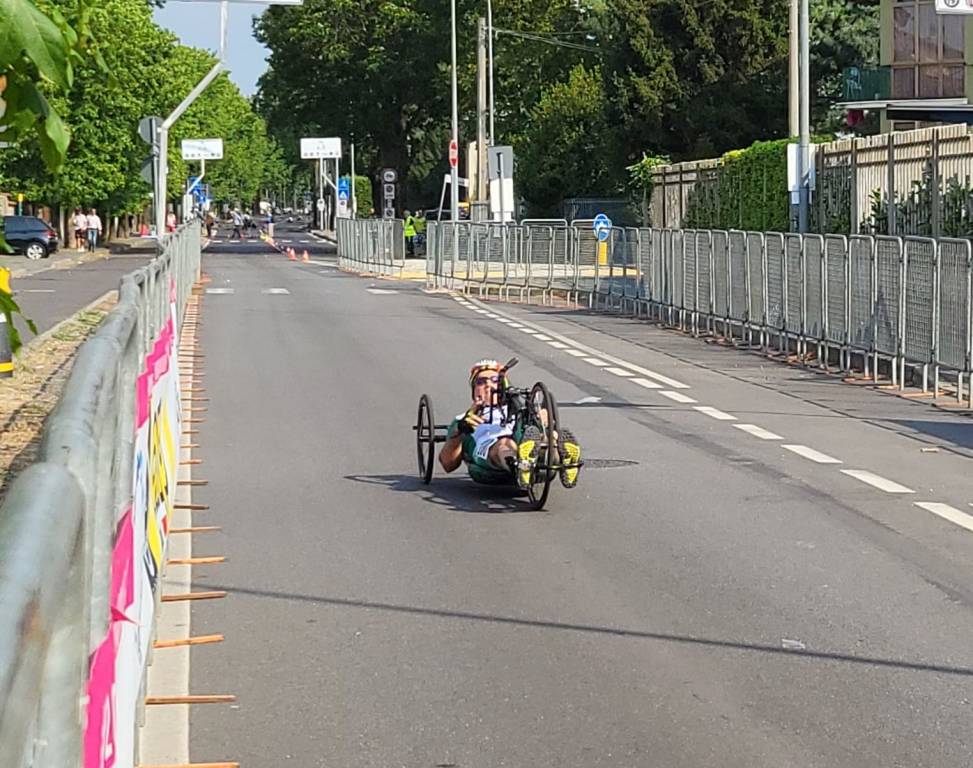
pixel 29 235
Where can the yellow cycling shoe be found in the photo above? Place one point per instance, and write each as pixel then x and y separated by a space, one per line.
pixel 570 451
pixel 527 452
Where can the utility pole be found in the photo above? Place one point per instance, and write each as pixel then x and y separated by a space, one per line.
pixel 493 135
pixel 354 197
pixel 454 174
pixel 793 73
pixel 804 154
pixel 481 111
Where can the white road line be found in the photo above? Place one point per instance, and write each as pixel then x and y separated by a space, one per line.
pixel 492 316
pixel 813 455
pixel 542 337
pixel 876 481
pixel 679 397
pixel 620 372
pixel 219 290
pixel 321 263
pixel 381 291
pixel 558 345
pixel 531 331
pixel 516 325
pixel 35 290
pixel 669 382
pixel 576 352
pixel 714 413
pixel 505 321
pixel 276 291
pixel 948 513
pixel 595 361
pixel 652 385
pixel 760 432
pixel 480 311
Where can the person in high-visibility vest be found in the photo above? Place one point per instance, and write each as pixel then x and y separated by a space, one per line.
pixel 419 220
pixel 410 233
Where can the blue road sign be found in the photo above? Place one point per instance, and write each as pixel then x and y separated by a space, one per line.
pixel 344 188
pixel 602 226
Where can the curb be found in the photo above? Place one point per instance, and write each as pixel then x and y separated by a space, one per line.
pixel 41 337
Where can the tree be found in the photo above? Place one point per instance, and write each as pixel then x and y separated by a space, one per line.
pixel 695 78
pixel 565 144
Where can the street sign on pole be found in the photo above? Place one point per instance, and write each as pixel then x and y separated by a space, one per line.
pixel 453 153
pixel 344 197
pixel 320 149
pixel 389 175
pixel 954 6
pixel 202 149
pixel 148 127
pixel 602 226
pixel 320 203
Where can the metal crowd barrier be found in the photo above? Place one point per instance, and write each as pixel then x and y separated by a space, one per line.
pixel 881 304
pixel 372 245
pixel 58 522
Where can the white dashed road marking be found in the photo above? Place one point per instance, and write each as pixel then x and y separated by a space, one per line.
pixel 678 397
pixel 650 385
pixel 715 413
pixel 948 513
pixel 595 361
pixel 576 352
pixel 558 345
pixel 531 331
pixel 876 481
pixel 381 291
pixel 620 372
pixel 753 429
pixel 219 290
pixel 542 337
pixel 813 455
pixel 276 291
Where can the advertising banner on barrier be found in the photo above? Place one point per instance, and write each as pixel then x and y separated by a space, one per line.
pixel 118 665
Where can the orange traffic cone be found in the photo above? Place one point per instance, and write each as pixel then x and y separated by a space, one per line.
pixel 291 255
pixel 305 258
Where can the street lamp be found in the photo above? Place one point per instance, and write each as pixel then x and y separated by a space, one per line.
pixel 454 172
pixel 162 132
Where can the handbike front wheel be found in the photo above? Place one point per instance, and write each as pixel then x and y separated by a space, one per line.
pixel 543 416
pixel 425 439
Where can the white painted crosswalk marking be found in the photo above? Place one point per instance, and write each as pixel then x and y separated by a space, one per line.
pixel 876 481
pixel 813 455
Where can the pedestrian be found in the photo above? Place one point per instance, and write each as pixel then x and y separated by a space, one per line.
pixel 92 229
pixel 410 233
pixel 237 224
pixel 80 223
pixel 171 221
pixel 210 221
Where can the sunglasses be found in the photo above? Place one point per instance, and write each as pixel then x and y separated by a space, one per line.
pixel 481 380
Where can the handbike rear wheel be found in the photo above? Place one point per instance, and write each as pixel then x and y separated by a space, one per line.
pixel 543 415
pixel 425 439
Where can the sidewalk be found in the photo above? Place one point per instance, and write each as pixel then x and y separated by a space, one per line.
pixel 20 266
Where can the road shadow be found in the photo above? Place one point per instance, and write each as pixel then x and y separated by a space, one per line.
pixel 959 433
pixel 744 646
pixel 457 494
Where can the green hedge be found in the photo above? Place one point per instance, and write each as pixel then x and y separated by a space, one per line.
pixel 748 191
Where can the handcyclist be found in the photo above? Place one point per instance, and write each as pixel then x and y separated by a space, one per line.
pixel 485 437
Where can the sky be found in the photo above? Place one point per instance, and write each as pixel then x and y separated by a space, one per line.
pixel 198 24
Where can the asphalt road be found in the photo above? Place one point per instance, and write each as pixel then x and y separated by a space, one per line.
pixel 705 597
pixel 55 294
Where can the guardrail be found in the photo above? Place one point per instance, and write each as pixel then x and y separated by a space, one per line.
pixel 879 304
pixel 371 245
pixel 83 532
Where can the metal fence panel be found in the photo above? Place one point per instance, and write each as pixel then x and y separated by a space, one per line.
pixel 861 282
pixel 704 270
pixel 774 266
pixel 836 288
pixel 794 285
pixel 919 300
pixel 953 349
pixel 739 306
pixel 721 265
pixel 888 295
pixel 678 276
pixel 814 308
pixel 690 259
pixel 756 312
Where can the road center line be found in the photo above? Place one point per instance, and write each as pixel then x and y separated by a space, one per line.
pixel 759 432
pixel 876 481
pixel 948 513
pixel 678 397
pixel 669 382
pixel 813 455
pixel 715 413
